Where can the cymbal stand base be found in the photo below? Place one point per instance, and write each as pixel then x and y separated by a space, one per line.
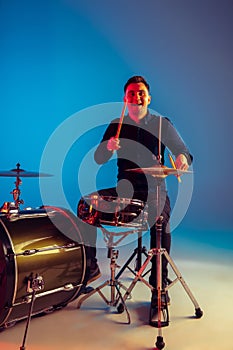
pixel 179 278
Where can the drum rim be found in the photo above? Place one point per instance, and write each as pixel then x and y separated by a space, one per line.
pixel 114 199
pixel 11 267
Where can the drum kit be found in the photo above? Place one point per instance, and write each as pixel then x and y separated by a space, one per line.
pixel 92 214
pixel 42 269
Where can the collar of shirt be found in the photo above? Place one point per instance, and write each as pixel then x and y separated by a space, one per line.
pixel 143 121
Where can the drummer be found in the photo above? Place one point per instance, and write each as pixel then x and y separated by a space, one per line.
pixel 140 139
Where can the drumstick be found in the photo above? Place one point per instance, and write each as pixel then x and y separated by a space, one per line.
pixel 174 166
pixel 121 120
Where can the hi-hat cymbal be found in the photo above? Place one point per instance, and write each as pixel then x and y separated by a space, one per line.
pixel 159 171
pixel 22 173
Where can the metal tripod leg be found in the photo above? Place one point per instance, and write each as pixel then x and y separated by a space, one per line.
pixel 136 253
pixel 198 311
pixel 139 250
pixel 139 276
pixel 22 347
pixel 114 284
pixel 34 284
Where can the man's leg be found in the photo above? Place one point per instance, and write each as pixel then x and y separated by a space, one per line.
pixel 89 235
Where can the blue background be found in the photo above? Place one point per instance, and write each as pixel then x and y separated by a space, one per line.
pixel 59 57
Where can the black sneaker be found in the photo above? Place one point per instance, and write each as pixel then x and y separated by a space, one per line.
pixel 165 299
pixel 153 317
pixel 93 275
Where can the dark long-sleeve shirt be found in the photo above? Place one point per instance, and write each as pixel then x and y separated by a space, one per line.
pixel 140 146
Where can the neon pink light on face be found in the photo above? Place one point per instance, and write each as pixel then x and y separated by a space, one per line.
pixel 138 99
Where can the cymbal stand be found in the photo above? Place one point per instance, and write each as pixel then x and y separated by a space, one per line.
pixel 16 193
pixel 115 285
pixel 9 206
pixel 34 284
pixel 162 310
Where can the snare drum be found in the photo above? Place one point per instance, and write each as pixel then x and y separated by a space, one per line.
pixel 114 211
pixel 44 243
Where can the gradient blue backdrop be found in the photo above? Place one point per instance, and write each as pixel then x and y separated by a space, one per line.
pixel 61 56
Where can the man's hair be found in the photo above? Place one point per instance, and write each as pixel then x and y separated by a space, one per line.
pixel 137 79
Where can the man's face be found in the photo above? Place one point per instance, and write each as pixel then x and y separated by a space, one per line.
pixel 138 99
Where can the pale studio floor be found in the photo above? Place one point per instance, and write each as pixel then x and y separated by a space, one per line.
pixel 97 326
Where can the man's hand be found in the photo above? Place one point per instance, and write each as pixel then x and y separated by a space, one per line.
pixel 181 162
pixel 113 144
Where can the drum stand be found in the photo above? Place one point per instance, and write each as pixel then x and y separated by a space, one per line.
pixel 161 308
pixel 136 253
pixel 34 284
pixel 113 282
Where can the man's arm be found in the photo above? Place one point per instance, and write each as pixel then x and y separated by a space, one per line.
pixel 177 146
pixel 108 144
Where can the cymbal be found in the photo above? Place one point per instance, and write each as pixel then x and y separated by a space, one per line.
pixel 22 173
pixel 159 171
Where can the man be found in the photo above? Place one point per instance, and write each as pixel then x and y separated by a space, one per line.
pixel 142 141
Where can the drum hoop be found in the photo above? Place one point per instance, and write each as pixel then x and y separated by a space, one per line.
pixel 12 280
pixel 114 199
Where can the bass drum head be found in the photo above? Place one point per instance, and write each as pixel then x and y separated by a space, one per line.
pixel 43 243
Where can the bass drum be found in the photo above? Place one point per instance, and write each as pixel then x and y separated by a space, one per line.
pixel 39 245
